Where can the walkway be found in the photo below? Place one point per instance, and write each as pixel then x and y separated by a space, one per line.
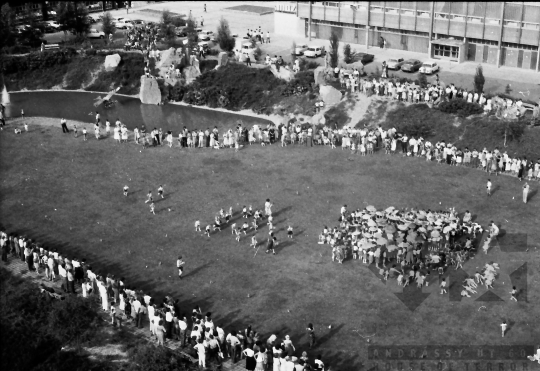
pixel 19 269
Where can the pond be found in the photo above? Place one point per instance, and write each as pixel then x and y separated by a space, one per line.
pixel 80 106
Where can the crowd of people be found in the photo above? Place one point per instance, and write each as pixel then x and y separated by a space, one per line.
pixel 410 244
pixel 364 141
pixel 199 336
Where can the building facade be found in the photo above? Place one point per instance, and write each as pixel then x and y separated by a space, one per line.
pixel 500 33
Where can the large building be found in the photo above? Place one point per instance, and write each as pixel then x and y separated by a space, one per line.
pixel 499 33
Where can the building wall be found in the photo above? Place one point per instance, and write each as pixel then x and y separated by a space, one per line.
pixel 405 24
pixel 285 23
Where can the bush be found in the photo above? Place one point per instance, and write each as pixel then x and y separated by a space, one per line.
pixel 212 52
pixel 460 107
pixel 479 79
pixel 306 64
pixel 127 75
pixel 207 65
pixel 302 83
pixel 334 49
pixel 422 80
pixel 243 87
pixel 349 56
pixel 257 54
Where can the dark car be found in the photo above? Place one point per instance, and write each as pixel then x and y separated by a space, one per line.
pixel 411 65
pixel 365 57
pixel 138 22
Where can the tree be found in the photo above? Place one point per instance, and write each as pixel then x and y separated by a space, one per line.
pixel 191 32
pixel 510 130
pixel 422 81
pixel 7 22
pixel 73 17
pixel 108 26
pixel 334 49
pixel 166 27
pixel 31 36
pixel 479 79
pixel 224 38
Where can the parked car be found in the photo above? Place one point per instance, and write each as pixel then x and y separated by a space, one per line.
pixel 138 22
pixel 365 57
pixel 411 65
pixel 300 49
pixel 95 34
pixel 53 25
pixel 314 51
pixel 395 63
pixel 205 35
pixel 429 67
pixel 121 25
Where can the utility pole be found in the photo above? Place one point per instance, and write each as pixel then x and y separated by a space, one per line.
pixel 309 24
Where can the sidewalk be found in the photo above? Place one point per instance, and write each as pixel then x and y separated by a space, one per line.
pixel 19 269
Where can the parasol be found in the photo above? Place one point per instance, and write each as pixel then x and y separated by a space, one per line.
pixel 371 208
pixel 402 227
pixel 390 228
pixel 381 241
pixel 391 248
pixel 371 223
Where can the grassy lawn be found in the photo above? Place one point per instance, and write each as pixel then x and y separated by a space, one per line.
pixel 67 193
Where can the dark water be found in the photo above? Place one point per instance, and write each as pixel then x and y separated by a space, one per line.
pixel 80 106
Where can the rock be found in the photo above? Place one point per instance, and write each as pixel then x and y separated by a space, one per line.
pixel 166 57
pixel 223 58
pixel 319 74
pixel 149 93
pixel 330 95
pixel 111 62
pixel 318 119
pixel 191 73
pixel 283 73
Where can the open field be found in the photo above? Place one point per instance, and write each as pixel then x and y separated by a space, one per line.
pixel 67 193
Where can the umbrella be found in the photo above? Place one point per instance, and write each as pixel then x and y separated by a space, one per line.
pixel 379 213
pixel 367 245
pixel 392 248
pixel 447 229
pixel 438 222
pixel 355 233
pixel 422 229
pixel 402 227
pixel 373 229
pixel 371 208
pixel 390 209
pixel 366 216
pixel 381 241
pixel 371 223
pixel 435 233
pixel 377 234
pixel 403 244
pixel 412 225
pixel 390 228
pixel 411 237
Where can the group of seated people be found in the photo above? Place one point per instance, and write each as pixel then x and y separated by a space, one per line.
pixel 404 244
pixel 200 338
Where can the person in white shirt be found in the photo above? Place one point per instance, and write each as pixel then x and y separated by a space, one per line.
pixel 201 351
pixel 233 345
pixel 182 324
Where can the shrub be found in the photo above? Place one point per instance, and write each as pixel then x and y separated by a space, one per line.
pixel 349 56
pixel 308 65
pixel 422 80
pixel 207 65
pixel 257 54
pixel 212 52
pixel 460 107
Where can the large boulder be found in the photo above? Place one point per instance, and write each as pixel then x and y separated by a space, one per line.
pixel 319 74
pixel 318 118
pixel 111 62
pixel 329 95
pixel 149 93
pixel 167 57
pixel 191 73
pixel 223 58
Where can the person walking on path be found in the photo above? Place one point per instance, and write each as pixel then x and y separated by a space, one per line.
pixel 525 192
pixel 64 126
pixel 513 294
pixel 488 187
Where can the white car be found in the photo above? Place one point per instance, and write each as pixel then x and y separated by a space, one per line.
pixel 300 49
pixel 122 25
pixel 95 34
pixel 314 51
pixel 53 25
pixel 205 35
pixel 429 67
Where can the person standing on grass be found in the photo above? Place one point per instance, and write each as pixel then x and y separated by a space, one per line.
pixel 160 191
pixel 96 130
pixel 126 188
pixel 311 334
pixel 63 122
pixel 84 133
pixel 153 208
pixel 488 187
pixel 525 192
pixel 503 328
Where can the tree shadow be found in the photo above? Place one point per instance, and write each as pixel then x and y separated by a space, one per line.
pixel 333 331
pixel 281 211
pixel 532 194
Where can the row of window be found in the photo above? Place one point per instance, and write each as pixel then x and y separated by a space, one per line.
pixel 446 51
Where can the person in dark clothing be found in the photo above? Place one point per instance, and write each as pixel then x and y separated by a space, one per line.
pixel 248 61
